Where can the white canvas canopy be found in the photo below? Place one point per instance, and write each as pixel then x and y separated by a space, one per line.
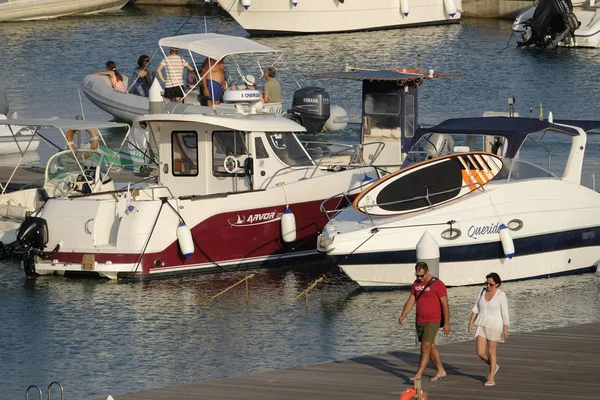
pixel 214 45
pixel 63 124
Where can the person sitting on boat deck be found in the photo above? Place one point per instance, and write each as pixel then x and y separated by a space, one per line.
pixel 272 88
pixel 249 83
pixel 116 79
pixel 174 80
pixel 141 77
pixel 213 80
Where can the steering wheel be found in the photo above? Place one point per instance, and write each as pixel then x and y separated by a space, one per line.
pixel 230 164
pixel 68 185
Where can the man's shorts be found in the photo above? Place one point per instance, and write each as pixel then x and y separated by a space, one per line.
pixel 173 92
pixel 427 331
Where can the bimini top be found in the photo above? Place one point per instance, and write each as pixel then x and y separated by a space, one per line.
pixel 514 129
pixel 373 75
pixel 238 122
pixel 63 124
pixel 214 45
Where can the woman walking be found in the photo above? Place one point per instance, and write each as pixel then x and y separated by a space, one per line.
pixel 490 316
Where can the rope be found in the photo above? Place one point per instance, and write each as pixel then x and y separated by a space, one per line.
pixel 163 201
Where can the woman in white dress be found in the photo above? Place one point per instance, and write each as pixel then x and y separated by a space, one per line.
pixel 490 317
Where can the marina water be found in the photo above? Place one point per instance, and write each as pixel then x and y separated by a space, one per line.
pixel 97 337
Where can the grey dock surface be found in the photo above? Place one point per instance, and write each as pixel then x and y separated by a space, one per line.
pixel 550 364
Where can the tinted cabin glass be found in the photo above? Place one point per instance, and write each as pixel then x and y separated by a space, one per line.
pixel 184 145
pixel 287 148
pixel 224 144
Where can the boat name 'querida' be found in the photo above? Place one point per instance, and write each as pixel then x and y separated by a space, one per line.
pixel 256 219
pixel 475 231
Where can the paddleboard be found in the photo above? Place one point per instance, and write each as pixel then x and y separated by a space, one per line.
pixel 429 183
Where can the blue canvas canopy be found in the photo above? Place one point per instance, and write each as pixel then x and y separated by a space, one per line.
pixel 515 130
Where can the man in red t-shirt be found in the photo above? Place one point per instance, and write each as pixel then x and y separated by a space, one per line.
pixel 432 304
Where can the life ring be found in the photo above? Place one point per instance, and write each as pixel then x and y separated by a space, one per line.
pixel 411 393
pixel 94 139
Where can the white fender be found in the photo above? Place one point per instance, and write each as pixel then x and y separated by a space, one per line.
pixel 246 3
pixel 288 226
pixel 294 3
pixel 184 237
pixel 404 7
pixel 507 242
pixel 450 7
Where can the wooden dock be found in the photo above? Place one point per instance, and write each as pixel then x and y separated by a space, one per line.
pixel 550 364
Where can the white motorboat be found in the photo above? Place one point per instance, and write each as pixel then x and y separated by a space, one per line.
pixel 75 170
pixel 16 140
pixel 23 10
pixel 310 106
pixel 233 191
pixel 490 211
pixel 268 17
pixel 551 23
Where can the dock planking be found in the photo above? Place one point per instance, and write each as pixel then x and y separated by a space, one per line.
pixel 555 363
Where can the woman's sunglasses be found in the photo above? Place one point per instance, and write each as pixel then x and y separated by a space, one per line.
pixel 488 284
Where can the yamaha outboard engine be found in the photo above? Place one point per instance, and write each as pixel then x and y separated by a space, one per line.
pixel 310 108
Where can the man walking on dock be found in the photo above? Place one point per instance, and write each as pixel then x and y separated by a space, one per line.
pixel 432 313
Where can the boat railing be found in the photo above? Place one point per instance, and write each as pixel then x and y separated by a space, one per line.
pixel 365 209
pixel 356 160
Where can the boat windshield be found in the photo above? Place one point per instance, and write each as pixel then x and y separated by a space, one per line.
pixel 288 149
pixel 68 163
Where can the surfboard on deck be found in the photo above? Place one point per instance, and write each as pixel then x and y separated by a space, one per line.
pixel 429 183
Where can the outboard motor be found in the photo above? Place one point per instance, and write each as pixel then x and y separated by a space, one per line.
pixel 310 108
pixel 32 238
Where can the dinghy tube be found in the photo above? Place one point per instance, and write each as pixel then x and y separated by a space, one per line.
pixel 184 237
pixel 288 226
pixel 507 242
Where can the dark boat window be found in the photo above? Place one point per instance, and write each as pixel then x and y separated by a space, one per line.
pixel 184 153
pixel 382 104
pixel 261 151
pixel 288 149
pixel 224 144
pixel 409 119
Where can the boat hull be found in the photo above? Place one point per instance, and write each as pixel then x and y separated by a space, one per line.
pixel 555 228
pixel 230 231
pixel 265 17
pixel 23 10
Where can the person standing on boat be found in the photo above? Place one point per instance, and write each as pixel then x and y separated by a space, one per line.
pixel 213 80
pixel 432 311
pixel 490 316
pixel 116 79
pixel 272 88
pixel 141 77
pixel 175 65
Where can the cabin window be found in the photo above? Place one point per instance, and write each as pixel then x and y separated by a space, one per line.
pixel 184 145
pixel 261 150
pixel 383 104
pixel 409 118
pixel 288 149
pixel 225 144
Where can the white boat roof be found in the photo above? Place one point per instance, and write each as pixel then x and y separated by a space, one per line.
pixel 63 124
pixel 215 45
pixel 240 122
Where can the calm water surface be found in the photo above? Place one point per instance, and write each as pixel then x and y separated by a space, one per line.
pixel 98 337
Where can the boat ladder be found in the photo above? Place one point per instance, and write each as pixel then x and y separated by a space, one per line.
pixel 41 395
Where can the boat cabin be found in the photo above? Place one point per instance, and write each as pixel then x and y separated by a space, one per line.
pixel 204 155
pixel 390 111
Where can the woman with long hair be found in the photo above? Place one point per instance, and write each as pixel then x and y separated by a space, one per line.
pixel 141 77
pixel 116 79
pixel 490 316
